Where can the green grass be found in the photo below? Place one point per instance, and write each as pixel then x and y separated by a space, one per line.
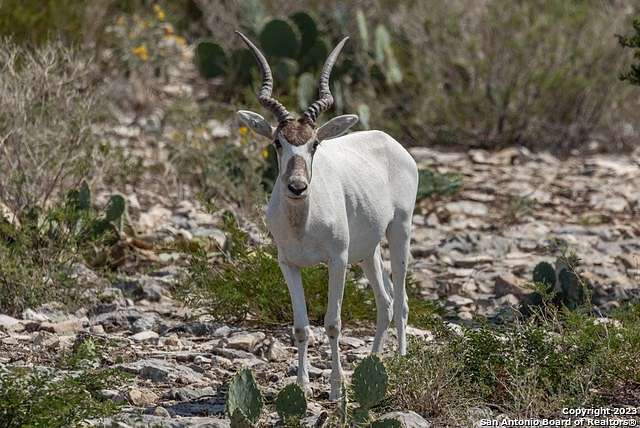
pixel 532 368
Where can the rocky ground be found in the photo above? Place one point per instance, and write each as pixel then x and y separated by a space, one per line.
pixel 474 251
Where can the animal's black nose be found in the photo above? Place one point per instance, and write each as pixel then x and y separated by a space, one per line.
pixel 297 187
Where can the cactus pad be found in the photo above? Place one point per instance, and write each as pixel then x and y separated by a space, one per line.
pixel 239 420
pixel 545 274
pixel 573 294
pixel 115 208
pixel 244 395
pixel 370 382
pixel 210 59
pixel 279 39
pixel 308 29
pixel 291 403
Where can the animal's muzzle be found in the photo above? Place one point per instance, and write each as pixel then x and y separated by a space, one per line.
pixel 297 175
pixel 297 187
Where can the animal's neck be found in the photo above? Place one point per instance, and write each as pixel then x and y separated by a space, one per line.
pixel 296 213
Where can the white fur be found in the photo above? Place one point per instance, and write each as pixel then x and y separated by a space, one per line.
pixel 363 187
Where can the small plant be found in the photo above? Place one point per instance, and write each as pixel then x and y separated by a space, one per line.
pixel 41 247
pixel 561 285
pixel 434 184
pixel 538 366
pixel 633 42
pixel 370 379
pixel 291 404
pixel 38 398
pixel 244 401
pixel 370 388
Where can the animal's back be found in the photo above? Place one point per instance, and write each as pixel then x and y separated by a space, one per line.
pixel 379 180
pixel 374 162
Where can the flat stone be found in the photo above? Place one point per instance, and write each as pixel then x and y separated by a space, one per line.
pixel 72 325
pixel 162 371
pixel 407 419
pixel 145 336
pixel 244 341
pixel 471 261
pixel 277 351
pixel 459 300
pixel 7 322
pixel 473 209
pixel 142 397
pixel 508 283
pixel 351 342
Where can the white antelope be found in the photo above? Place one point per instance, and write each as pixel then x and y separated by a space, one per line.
pixel 333 202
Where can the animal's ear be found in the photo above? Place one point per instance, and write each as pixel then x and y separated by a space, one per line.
pixel 336 126
pixel 256 122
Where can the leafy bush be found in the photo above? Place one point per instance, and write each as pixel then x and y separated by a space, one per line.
pixel 46 110
pixel 528 369
pixel 433 183
pixel 45 398
pixel 39 253
pixel 246 284
pixel 632 42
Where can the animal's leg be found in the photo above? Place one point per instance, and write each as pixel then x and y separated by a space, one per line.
pixel 373 270
pixel 301 330
pixel 332 322
pixel 399 237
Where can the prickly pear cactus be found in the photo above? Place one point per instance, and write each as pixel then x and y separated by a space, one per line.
pixel 573 294
pixel 210 59
pixel 370 382
pixel 308 29
pixel 239 420
pixel 84 196
pixel 545 274
pixel 291 403
pixel 115 208
pixel 278 38
pixel 361 417
pixel 244 396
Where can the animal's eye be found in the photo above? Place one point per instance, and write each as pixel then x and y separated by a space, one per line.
pixel 315 146
pixel 277 144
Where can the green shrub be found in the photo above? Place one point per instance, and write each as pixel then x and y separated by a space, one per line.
pixel 535 368
pixel 35 398
pixel 435 184
pixel 246 284
pixel 632 42
pixel 40 249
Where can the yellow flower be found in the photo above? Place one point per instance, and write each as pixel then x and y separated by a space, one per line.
pixel 160 15
pixel 265 153
pixel 181 41
pixel 141 52
pixel 243 131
